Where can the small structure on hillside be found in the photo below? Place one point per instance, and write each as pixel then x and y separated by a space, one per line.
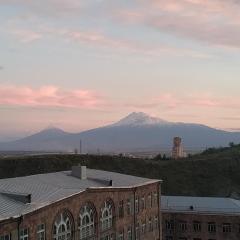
pixel 177 150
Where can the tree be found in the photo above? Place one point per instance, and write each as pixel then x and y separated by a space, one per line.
pixel 158 157
pixel 75 151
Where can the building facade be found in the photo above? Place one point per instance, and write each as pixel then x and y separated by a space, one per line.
pixel 196 218
pixel 88 204
pixel 80 205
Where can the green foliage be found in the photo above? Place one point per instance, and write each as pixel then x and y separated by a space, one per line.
pixel 160 157
pixel 215 172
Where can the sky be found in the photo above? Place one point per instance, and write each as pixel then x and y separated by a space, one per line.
pixel 81 64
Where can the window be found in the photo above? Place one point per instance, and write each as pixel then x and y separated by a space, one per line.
pixel 62 228
pixel 137 204
pixel 227 227
pixel 108 237
pixel 121 209
pixel 24 234
pixel 150 225
pixel 106 216
pixel 41 232
pixel 143 227
pixel 87 221
pixel 129 207
pixel 150 200
pixel 156 222
pixel 212 227
pixel 143 204
pixel 155 199
pixel 182 226
pixel 129 233
pixel 5 237
pixel 120 235
pixel 196 226
pixel 169 224
pixel 137 232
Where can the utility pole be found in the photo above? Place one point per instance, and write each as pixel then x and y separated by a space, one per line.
pixel 80 147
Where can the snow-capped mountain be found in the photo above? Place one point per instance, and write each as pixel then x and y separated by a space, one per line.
pixel 140 118
pixel 135 131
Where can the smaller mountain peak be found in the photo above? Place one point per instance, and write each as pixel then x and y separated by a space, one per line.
pixel 52 131
pixel 139 118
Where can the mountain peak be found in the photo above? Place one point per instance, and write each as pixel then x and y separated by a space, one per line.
pixel 138 119
pixel 52 129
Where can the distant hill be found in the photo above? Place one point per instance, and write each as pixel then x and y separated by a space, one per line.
pixel 137 131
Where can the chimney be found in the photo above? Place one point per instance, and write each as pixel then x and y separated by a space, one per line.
pixel 110 182
pixel 79 172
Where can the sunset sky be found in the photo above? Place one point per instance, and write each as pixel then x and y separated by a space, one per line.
pixel 80 64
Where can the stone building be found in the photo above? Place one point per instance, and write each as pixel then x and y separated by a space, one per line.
pixel 80 204
pixel 88 204
pixel 200 218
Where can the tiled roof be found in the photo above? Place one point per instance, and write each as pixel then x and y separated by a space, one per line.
pixel 51 187
pixel 208 205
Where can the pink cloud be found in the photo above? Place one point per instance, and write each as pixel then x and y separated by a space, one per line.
pixel 49 96
pixel 98 39
pixel 215 22
pixel 195 101
pixel 53 96
pixel 212 21
pixel 207 103
pixel 27 36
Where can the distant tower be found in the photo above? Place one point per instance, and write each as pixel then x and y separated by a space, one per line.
pixel 177 151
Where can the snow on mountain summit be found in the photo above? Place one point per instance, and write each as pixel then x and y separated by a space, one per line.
pixel 140 118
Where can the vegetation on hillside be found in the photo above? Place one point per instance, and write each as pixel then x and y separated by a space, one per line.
pixel 215 172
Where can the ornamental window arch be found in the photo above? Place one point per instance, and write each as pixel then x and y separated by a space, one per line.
pixel 63 226
pixel 107 215
pixel 87 221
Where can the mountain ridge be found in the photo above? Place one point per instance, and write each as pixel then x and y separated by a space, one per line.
pixel 135 131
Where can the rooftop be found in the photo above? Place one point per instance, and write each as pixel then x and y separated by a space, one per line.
pixel 204 205
pixel 51 187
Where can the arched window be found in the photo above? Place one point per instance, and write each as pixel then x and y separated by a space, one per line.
pixel 87 221
pixel 63 227
pixel 106 215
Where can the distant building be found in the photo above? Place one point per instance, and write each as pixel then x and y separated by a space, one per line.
pixel 177 150
pixel 200 218
pixel 82 204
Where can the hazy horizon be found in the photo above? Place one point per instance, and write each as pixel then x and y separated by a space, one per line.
pixel 79 65
pixel 21 135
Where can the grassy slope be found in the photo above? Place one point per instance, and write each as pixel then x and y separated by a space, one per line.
pixel 214 173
